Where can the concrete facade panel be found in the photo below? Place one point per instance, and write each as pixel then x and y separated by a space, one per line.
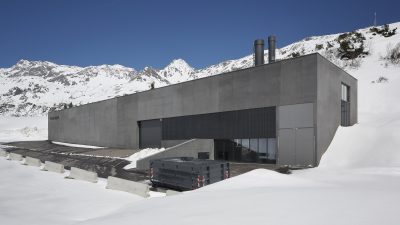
pixel 298 80
pixel 296 116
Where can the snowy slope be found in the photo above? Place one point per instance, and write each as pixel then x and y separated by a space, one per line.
pixel 375 141
pixel 34 87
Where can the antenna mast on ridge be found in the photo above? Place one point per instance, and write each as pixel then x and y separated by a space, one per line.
pixel 375 19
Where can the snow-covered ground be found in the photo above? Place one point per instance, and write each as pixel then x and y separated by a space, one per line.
pixel 31 196
pixel 316 196
pixel 354 197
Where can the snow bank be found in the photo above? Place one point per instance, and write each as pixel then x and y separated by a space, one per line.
pixel 259 178
pixel 140 155
pixel 365 145
pixel 312 197
pixel 375 141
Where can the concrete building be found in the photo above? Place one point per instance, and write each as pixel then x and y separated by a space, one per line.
pixel 284 112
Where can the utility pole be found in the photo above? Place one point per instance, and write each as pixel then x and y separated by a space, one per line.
pixel 375 19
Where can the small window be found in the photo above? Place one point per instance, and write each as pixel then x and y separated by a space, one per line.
pixel 345 93
pixel 345 105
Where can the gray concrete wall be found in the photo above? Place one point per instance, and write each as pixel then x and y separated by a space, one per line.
pixel 328 108
pixel 91 124
pixel 113 123
pixel 127 127
pixel 190 148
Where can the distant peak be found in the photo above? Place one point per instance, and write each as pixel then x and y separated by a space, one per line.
pixel 23 62
pixel 26 63
pixel 179 63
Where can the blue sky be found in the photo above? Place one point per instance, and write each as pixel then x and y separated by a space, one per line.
pixel 152 33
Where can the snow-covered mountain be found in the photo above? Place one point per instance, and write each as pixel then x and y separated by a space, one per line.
pixel 34 87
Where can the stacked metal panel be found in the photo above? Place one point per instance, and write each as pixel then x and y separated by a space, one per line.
pixel 186 173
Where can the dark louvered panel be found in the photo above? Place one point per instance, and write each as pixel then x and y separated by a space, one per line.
pixel 150 134
pixel 345 113
pixel 250 123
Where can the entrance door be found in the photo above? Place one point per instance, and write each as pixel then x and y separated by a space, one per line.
pixel 305 146
pixel 296 146
pixel 150 134
pixel 287 146
pixel 296 134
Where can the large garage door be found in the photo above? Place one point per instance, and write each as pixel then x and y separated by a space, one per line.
pixel 150 134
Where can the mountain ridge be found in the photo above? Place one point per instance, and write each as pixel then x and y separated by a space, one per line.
pixel 31 88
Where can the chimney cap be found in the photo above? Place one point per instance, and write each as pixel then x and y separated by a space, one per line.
pixel 259 42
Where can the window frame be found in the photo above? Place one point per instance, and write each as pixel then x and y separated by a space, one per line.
pixel 345 92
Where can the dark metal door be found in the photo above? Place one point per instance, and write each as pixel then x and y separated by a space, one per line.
pixel 345 113
pixel 150 134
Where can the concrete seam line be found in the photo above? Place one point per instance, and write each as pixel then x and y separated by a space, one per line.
pixel 133 187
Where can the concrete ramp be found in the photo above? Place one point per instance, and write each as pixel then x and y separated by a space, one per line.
pixel 84 175
pixel 128 186
pixel 53 167
pixel 190 148
pixel 29 161
pixel 15 157
pixel 3 153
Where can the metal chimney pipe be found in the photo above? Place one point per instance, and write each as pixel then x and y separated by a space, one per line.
pixel 258 52
pixel 271 48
